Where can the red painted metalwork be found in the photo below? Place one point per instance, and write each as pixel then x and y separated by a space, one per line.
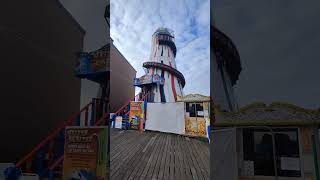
pixel 102 119
pixel 50 152
pixel 128 102
pixel 50 137
pixel 155 52
pixel 142 99
pixel 28 166
pixel 56 163
pixel 125 105
pixel 173 86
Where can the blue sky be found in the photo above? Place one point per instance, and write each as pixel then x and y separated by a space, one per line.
pixel 134 21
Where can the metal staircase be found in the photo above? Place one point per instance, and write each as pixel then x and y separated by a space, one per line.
pixel 47 157
pixel 125 109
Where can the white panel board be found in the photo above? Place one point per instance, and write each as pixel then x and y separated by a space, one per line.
pixel 166 117
pixel 118 122
pixel 29 176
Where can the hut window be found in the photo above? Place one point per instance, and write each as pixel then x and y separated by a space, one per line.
pixel 187 107
pixel 199 109
pixel 194 109
pixel 258 149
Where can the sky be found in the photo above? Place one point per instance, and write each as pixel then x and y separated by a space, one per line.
pixel 134 21
pixel 278 42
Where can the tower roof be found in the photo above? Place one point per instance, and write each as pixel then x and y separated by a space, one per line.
pixel 163 30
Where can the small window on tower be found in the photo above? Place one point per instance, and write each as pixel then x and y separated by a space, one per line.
pixel 162 51
pixel 161 62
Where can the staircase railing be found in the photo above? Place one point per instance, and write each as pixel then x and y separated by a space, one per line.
pixel 60 160
pixel 32 163
pixel 117 113
pixel 56 160
pixel 143 98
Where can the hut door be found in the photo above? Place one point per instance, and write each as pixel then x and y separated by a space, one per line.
pixel 195 122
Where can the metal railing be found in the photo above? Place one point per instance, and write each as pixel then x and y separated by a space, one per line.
pixel 48 147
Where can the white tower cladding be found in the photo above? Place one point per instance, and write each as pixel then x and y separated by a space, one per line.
pixel 162 65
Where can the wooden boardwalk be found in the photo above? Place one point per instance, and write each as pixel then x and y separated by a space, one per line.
pixel 157 156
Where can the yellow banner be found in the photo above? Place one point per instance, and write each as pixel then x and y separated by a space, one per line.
pixel 136 113
pixel 85 153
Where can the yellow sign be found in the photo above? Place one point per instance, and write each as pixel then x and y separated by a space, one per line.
pixel 196 126
pixel 85 153
pixel 136 114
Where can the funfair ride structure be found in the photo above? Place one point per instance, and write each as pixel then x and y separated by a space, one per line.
pixel 162 80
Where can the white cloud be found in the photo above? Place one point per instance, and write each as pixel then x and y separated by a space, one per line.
pixel 134 21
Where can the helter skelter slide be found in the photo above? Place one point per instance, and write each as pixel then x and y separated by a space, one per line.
pixel 162 79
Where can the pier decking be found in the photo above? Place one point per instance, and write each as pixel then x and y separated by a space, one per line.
pixel 156 155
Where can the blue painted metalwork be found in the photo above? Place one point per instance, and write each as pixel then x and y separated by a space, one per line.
pixel 60 144
pixel 39 161
pixel 78 120
pixel 51 175
pixel 148 79
pixel 125 122
pixel 85 60
pixel 12 173
pixel 113 119
pixel 93 65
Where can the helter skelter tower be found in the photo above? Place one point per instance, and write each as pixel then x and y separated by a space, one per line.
pixel 162 65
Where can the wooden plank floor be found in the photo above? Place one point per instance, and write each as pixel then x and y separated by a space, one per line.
pixel 155 155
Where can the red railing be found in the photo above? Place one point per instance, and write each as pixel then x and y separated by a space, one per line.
pixel 102 119
pixel 125 105
pixel 53 134
pixel 58 161
pixel 142 99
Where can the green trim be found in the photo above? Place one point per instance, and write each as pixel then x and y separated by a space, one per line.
pixel 227 123
pixel 268 108
pixel 185 98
